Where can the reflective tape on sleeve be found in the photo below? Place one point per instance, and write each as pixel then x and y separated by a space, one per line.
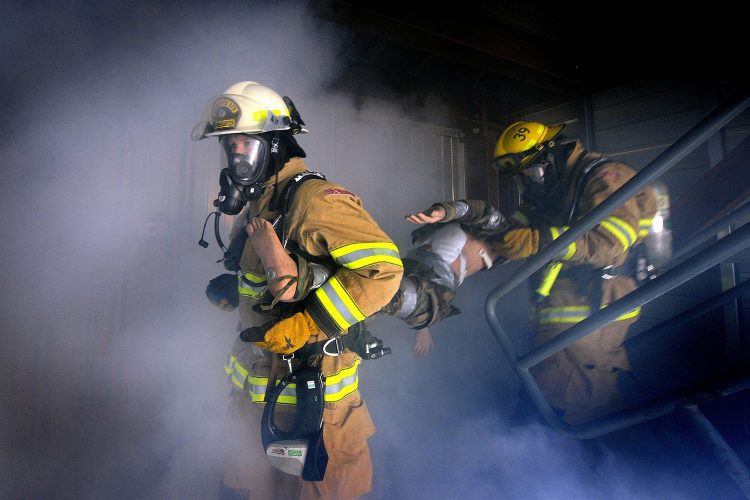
pixel 338 304
pixel 568 253
pixel 644 226
pixel 621 230
pixel 358 255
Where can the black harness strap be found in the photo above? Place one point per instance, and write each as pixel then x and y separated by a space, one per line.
pixel 285 201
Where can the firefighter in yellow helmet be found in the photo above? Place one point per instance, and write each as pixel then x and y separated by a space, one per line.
pixel 561 182
pixel 350 269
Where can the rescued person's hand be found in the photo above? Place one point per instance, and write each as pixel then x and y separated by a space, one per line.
pixel 423 344
pixel 429 216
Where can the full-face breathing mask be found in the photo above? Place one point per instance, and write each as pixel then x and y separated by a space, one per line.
pixel 245 161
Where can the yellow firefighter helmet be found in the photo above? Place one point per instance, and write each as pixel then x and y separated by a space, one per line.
pixel 520 143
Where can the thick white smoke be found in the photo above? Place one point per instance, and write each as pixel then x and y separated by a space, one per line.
pixel 112 382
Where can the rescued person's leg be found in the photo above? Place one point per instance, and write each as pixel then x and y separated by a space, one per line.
pixel 280 267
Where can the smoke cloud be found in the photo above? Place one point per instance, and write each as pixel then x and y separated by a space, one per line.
pixel 112 381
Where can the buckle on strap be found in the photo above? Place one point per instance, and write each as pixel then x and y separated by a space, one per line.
pixel 609 272
pixel 338 344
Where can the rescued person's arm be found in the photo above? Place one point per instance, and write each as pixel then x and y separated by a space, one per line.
pixel 470 212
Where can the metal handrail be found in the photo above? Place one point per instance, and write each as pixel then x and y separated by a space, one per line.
pixel 711 256
pixel 697 311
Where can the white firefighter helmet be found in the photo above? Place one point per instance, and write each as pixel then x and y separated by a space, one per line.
pixel 247 108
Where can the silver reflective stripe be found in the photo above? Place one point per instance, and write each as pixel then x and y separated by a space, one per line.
pixel 258 391
pixel 338 304
pixel 345 382
pixel 367 252
pixel 408 298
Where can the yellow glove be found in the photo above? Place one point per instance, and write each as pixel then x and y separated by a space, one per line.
pixel 289 334
pixel 519 243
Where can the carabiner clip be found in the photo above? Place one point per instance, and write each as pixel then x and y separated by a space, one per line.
pixel 288 359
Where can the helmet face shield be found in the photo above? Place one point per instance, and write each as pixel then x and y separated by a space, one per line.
pixel 510 164
pixel 245 157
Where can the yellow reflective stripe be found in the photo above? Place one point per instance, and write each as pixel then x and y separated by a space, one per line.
pixel 257 391
pixel 338 304
pixel 550 276
pixel 632 314
pixel 354 247
pixel 571 314
pixel 338 386
pixel 238 373
pixel 263 113
pixel 571 250
pixel 575 314
pixel 644 226
pixel 251 285
pixel 240 369
pixel 346 372
pixel 343 383
pixel 374 259
pixel 358 255
pixel 621 230
pixel 254 278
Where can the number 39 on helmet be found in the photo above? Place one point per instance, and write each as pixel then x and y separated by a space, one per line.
pixel 520 143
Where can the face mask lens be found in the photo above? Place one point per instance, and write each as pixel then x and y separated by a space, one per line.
pixel 533 174
pixel 244 156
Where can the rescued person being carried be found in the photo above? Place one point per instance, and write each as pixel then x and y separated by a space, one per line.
pixel 444 256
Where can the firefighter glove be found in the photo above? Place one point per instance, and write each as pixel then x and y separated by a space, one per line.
pixel 289 334
pixel 519 243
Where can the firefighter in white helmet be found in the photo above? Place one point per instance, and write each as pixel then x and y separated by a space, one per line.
pixel 350 269
pixel 560 183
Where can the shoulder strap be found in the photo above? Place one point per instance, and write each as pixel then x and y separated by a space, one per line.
pixel 580 182
pixel 286 200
